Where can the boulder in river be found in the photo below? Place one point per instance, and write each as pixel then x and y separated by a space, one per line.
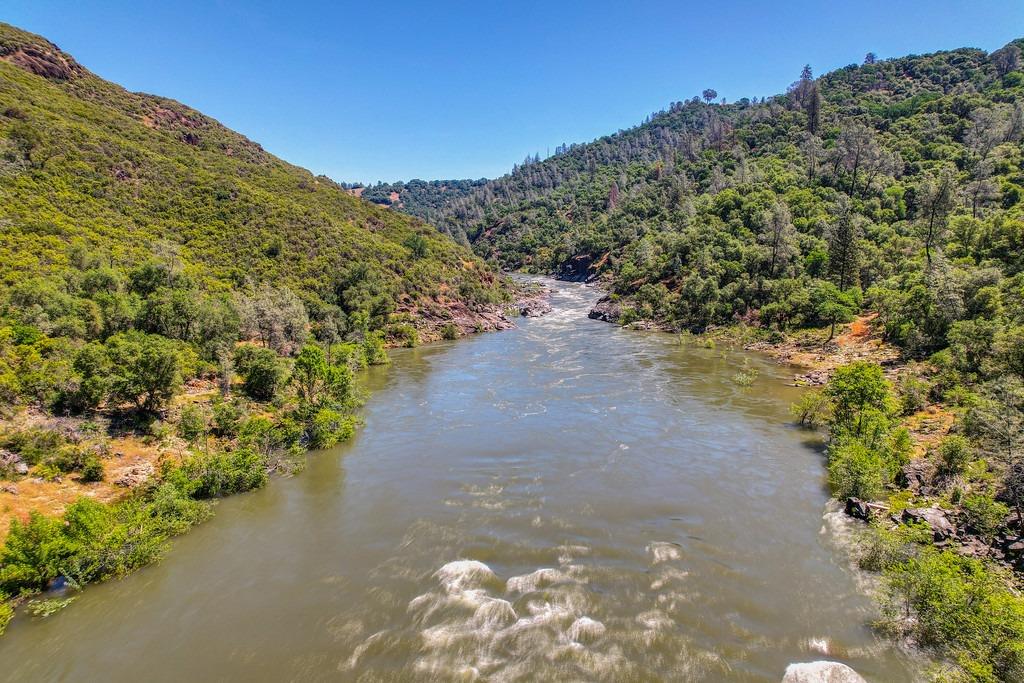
pixel 605 309
pixel 858 509
pixel 821 672
pixel 935 518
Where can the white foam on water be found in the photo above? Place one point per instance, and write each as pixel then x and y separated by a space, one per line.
pixel 819 645
pixel 494 613
pixel 655 620
pixel 534 580
pixel 667 576
pixel 664 551
pixel 461 574
pixel 567 553
pixel 586 630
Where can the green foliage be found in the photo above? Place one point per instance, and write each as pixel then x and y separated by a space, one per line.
pixel 33 553
pixel 221 473
pixel 374 349
pixel 856 470
pixel 227 416
pixel 146 369
pixel 192 423
pixel 329 427
pixel 883 548
pixel 984 514
pixel 405 334
pixel 955 454
pixel 961 607
pixel 262 373
pixel 6 613
pixel 92 469
pixel 317 382
pixel 813 410
pixel 858 391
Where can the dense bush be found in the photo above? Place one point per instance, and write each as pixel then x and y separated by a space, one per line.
pixel 262 373
pixel 963 608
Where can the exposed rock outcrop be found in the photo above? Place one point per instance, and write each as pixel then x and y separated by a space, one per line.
pixel 821 672
pixel 606 309
pixel 935 518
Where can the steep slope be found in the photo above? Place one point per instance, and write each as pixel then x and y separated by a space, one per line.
pixel 424 198
pixel 87 167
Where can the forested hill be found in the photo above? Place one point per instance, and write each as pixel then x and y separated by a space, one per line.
pixel 96 182
pixel 878 179
pixel 424 198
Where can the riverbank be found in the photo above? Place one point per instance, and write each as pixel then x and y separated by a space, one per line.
pixel 51 465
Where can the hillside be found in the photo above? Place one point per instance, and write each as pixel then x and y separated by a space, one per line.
pixel 181 314
pixel 92 173
pixel 424 198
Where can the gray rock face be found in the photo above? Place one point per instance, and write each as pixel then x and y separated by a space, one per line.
pixel 821 672
pixel 606 310
pixel 935 518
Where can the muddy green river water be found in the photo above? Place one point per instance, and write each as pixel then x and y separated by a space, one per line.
pixel 563 501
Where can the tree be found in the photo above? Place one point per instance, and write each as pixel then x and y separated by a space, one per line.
pixel 831 305
pixel 1006 59
pixel 275 316
pixel 261 372
pixel 804 93
pixel 145 369
pixel 998 421
pixel 936 201
pixel 857 151
pixel 613 196
pixel 844 234
pixel 780 236
pixel 709 95
pixel 316 381
pixel 856 389
pixel 870 58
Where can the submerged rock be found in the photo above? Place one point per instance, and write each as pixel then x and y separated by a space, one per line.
pixel 821 672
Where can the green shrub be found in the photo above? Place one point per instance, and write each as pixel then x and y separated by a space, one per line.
pixel 211 475
pixel 961 607
pixel 913 394
pixel 955 454
pixel 858 391
pixel 33 554
pixel 33 445
pixel 146 369
pixel 375 351
pixel 192 423
pixel 854 470
pixel 261 371
pixel 881 547
pixel 985 514
pixel 449 331
pixel 813 410
pixel 92 469
pixel 329 427
pixel 227 416
pixel 405 334
pixel 6 613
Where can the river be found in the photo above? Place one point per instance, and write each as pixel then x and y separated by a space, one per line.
pixel 563 501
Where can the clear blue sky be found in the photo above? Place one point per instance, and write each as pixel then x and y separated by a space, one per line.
pixel 401 89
